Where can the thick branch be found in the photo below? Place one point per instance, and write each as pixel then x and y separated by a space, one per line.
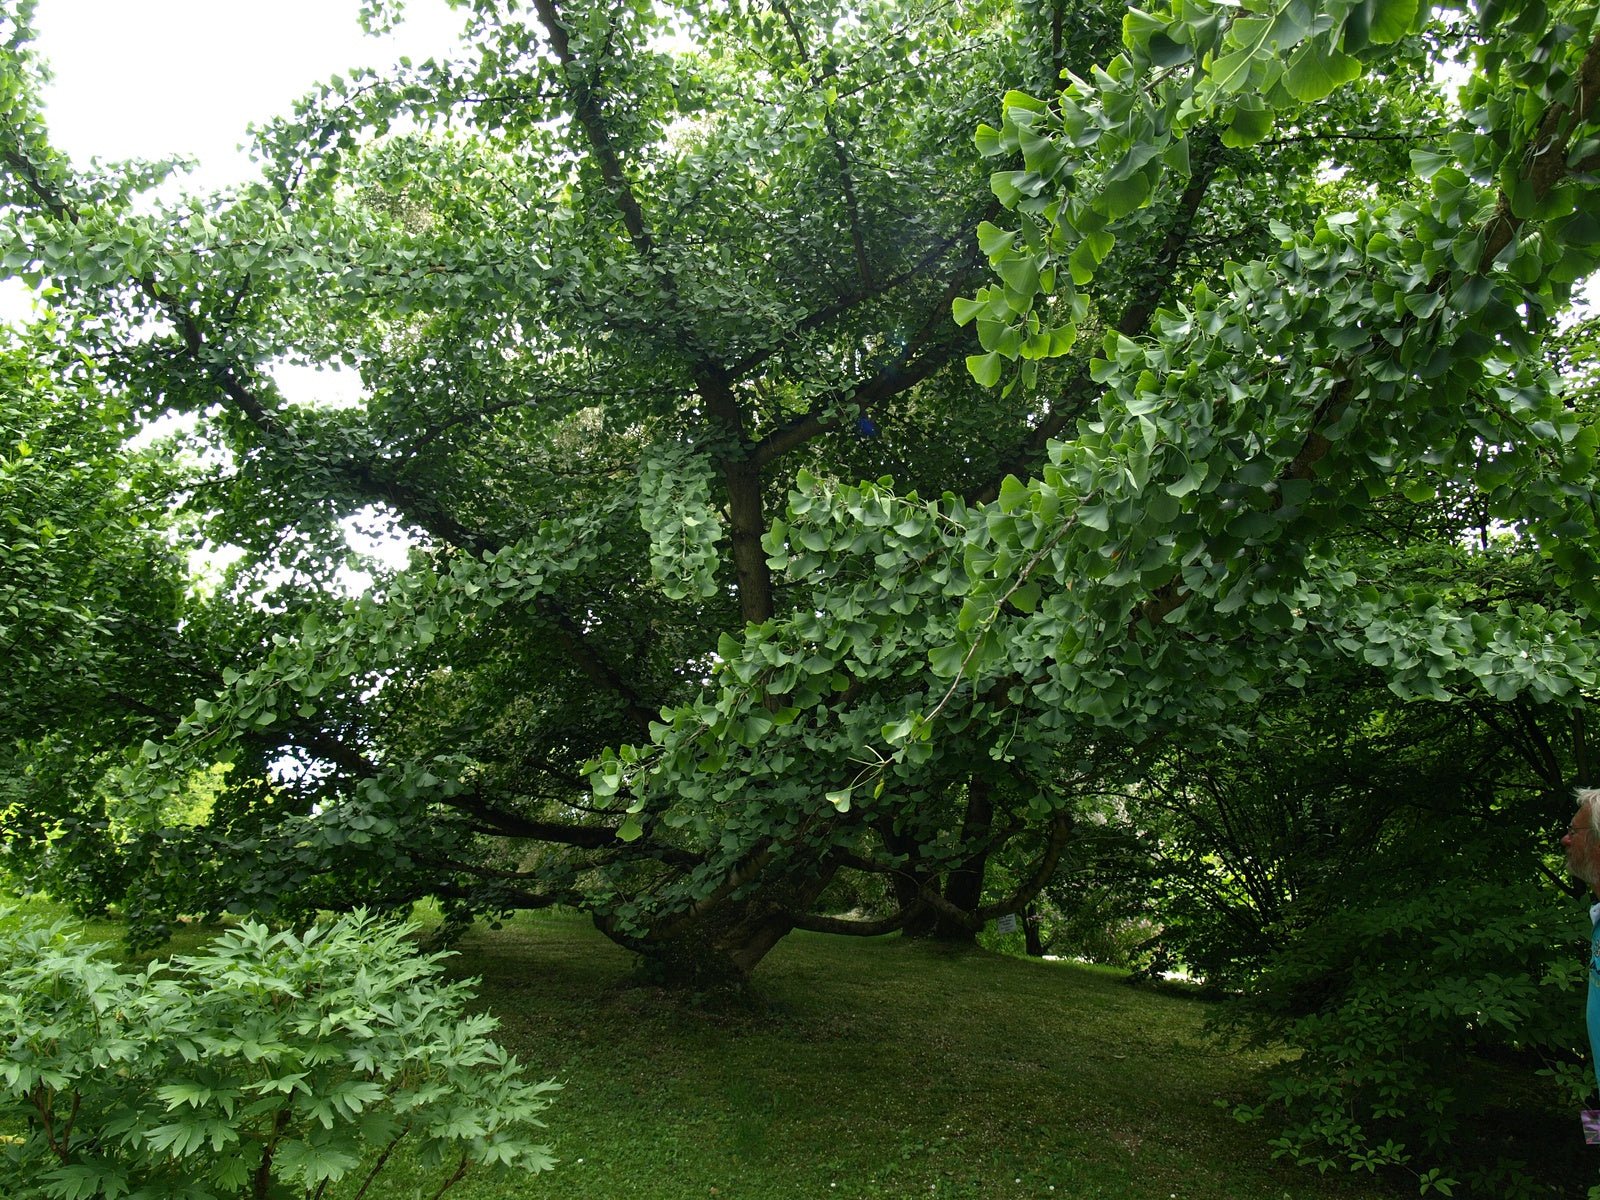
pixel 817 318
pixel 1544 161
pixel 319 742
pixel 1060 834
pixel 747 871
pixel 928 896
pixel 501 822
pixel 47 196
pixel 890 381
pixel 514 896
pixel 576 645
pixel 963 885
pixel 856 926
pixel 1163 267
pixel 586 111
pixel 509 824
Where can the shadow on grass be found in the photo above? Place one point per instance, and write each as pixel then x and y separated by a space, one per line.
pixel 876 1068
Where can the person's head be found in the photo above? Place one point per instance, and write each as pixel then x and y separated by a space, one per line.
pixel 1583 838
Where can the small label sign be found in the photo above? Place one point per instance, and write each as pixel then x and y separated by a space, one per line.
pixel 1007 923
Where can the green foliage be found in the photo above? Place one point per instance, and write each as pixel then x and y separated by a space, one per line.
pixel 1102 905
pixel 92 586
pixel 566 296
pixel 1370 882
pixel 1197 496
pixel 1371 886
pixel 266 1064
pixel 1420 1015
pixel 675 510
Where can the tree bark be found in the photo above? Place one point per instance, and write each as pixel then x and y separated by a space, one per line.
pixel 964 884
pixel 715 949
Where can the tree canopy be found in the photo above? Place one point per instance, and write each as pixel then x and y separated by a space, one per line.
pixel 800 489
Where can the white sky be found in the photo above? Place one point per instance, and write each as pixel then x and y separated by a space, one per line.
pixel 150 78
pixel 155 78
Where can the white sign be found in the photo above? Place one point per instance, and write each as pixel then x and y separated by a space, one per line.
pixel 1007 923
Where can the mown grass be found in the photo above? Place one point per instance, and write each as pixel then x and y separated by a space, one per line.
pixel 871 1069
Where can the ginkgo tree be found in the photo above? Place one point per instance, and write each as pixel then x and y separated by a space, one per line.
pixel 797 486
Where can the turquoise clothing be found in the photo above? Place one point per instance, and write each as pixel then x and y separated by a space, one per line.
pixel 1594 991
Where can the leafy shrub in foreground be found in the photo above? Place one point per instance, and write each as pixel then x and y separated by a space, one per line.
pixel 270 1065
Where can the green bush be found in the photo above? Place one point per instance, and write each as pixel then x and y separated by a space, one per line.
pixel 270 1065
pixel 1428 1025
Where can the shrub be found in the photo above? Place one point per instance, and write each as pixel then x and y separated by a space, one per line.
pixel 270 1065
pixel 1421 1023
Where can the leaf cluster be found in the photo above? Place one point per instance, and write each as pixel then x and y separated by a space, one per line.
pixel 267 1064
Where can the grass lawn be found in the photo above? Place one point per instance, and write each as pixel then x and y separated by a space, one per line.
pixel 875 1068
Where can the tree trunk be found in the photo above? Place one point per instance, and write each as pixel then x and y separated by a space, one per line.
pixel 963 887
pixel 714 949
pixel 908 882
pixel 741 475
pixel 1032 941
pixel 963 884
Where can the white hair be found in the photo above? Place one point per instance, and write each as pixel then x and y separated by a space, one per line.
pixel 1588 860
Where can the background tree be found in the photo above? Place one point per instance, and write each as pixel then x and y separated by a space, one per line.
pixel 92 591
